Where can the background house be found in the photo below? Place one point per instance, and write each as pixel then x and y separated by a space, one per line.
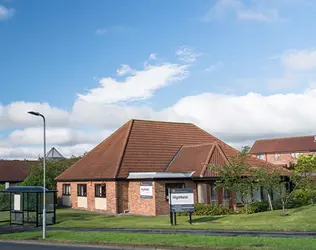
pixel 155 155
pixel 283 151
pixel 14 171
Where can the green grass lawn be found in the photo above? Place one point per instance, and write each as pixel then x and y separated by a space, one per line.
pixel 300 219
pixel 191 241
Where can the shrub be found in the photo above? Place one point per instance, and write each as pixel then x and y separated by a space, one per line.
pixel 208 209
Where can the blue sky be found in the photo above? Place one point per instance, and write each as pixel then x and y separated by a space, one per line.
pixel 214 63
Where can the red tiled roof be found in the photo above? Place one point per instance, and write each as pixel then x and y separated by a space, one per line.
pixel 14 170
pixel 150 146
pixel 103 161
pixel 279 145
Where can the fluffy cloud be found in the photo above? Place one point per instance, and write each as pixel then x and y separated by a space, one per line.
pixel 241 11
pixel 6 13
pixel 15 115
pixel 300 59
pixel 140 85
pixel 21 153
pixel 54 136
pixel 252 116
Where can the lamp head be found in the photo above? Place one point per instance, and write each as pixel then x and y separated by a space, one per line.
pixel 34 113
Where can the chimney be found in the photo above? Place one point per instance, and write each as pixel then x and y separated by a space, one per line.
pixel 314 138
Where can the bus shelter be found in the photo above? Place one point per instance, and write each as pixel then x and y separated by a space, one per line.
pixel 24 205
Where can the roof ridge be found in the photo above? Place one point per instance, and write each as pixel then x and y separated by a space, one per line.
pixel 281 138
pixel 173 158
pixel 124 147
pixel 157 121
pixel 199 145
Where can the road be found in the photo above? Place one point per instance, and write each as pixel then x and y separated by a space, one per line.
pixel 29 246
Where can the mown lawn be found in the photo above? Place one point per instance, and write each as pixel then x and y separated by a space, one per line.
pixel 190 241
pixel 300 219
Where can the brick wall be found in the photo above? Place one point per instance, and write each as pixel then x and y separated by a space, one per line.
pixel 110 195
pixel 122 190
pixel 162 205
pixel 137 205
pixel 285 158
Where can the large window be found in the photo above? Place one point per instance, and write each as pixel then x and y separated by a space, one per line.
pixel 295 155
pixel 172 185
pixel 82 190
pixel 225 198
pixel 100 190
pixel 214 194
pixel 66 189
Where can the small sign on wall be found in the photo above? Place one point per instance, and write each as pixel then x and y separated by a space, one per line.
pixel 146 190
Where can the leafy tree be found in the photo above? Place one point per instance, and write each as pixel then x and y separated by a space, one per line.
pixel 305 173
pixel 239 176
pixel 53 169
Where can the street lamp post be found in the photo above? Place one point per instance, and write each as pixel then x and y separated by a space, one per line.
pixel 44 172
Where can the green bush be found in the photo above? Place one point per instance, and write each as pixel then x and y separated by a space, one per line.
pixel 208 209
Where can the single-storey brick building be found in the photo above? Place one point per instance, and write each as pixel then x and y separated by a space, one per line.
pixel 13 172
pixel 131 170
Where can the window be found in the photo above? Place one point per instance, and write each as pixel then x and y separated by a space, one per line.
pixel 277 156
pixel 99 190
pixel 295 155
pixel 172 185
pixel 214 194
pixel 66 189
pixel 82 189
pixel 260 157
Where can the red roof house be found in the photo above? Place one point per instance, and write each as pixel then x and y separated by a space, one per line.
pixel 163 154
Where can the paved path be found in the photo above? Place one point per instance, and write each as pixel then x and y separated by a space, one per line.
pixel 6 230
pixel 33 245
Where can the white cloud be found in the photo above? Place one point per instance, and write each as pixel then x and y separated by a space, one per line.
pixel 6 13
pixel 54 136
pixel 252 116
pixel 15 115
pixel 123 70
pixel 101 31
pixel 241 11
pixel 187 55
pixel 300 59
pixel 214 66
pixel 141 85
pixel 20 153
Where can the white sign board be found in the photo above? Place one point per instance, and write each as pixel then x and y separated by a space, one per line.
pixel 17 202
pixel 182 200
pixel 146 190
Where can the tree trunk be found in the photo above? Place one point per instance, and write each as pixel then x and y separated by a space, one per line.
pixel 283 209
pixel 246 207
pixel 270 202
pixel 312 201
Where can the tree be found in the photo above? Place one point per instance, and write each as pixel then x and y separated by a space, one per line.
pixel 305 173
pixel 53 169
pixel 239 176
pixel 301 178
